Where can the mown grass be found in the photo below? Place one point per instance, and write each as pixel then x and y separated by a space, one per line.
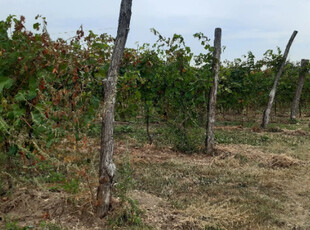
pixel 265 193
pixel 191 185
pixel 237 188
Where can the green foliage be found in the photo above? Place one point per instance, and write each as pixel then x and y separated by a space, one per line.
pixel 14 226
pixel 184 140
pixel 124 180
pixel 167 82
pixel 71 186
pixel 43 226
pixel 235 137
pixel 129 214
pixel 54 177
pixel 48 89
pixel 123 129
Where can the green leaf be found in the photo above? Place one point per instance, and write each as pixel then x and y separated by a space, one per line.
pixel 5 83
pixel 36 26
pixel 20 96
pixel 31 94
pixel 13 150
pixel 17 111
pixel 49 143
pixel 33 83
pixel 25 95
pixel 3 126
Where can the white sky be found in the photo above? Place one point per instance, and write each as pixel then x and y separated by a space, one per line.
pixel 248 25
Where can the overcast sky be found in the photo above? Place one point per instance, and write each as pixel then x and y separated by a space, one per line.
pixel 248 25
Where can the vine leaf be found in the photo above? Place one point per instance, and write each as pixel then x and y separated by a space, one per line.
pixel 5 83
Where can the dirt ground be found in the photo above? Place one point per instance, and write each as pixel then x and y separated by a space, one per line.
pixel 241 187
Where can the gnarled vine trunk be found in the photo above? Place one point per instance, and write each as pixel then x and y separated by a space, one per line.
pixel 106 165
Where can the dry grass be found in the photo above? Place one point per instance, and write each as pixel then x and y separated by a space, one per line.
pixel 244 186
pixel 31 207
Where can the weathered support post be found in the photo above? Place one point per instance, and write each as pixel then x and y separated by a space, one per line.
pixel 272 94
pixel 106 165
pixel 304 68
pixel 209 141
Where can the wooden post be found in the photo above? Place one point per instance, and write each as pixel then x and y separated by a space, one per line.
pixel 272 94
pixel 301 80
pixel 209 141
pixel 106 165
